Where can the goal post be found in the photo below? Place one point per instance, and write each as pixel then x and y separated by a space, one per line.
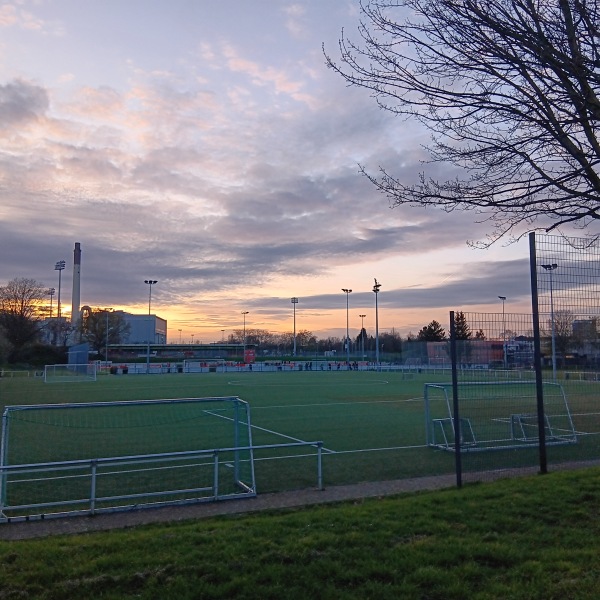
pixel 184 448
pixel 70 373
pixel 209 365
pixel 496 415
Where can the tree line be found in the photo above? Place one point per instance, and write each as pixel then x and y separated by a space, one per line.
pixel 28 336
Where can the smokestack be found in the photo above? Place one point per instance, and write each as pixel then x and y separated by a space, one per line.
pixel 76 295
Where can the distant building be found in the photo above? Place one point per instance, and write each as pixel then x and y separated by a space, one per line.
pixel 144 329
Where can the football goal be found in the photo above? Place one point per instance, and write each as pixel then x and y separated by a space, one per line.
pixel 70 373
pixel 496 415
pixel 116 454
pixel 217 365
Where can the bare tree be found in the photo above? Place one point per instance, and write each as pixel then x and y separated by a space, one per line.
pixel 564 338
pixel 19 308
pixel 101 327
pixel 508 90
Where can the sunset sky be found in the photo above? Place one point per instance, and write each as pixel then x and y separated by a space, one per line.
pixel 206 145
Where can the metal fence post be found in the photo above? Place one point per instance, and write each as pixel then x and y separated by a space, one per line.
pixel 455 407
pixel 320 466
pixel 537 356
pixel 94 467
pixel 216 475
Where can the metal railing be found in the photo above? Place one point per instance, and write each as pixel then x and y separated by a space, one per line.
pixel 48 476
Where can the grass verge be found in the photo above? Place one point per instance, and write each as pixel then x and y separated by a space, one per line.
pixel 525 538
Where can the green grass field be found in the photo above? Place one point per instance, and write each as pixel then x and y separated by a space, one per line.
pixel 372 424
pixel 533 538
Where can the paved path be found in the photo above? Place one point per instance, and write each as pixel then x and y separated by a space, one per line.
pixel 21 530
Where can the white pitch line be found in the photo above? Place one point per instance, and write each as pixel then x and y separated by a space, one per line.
pixel 380 449
pixel 283 435
pixel 311 384
pixel 254 408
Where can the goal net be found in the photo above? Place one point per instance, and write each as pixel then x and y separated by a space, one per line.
pixel 496 415
pixel 176 449
pixel 216 365
pixel 70 373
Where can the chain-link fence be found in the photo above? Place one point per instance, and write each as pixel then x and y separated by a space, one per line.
pixel 525 387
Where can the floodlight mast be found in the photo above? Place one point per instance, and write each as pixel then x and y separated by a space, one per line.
pixel 503 298
pixel 150 283
pixel 294 302
pixel 347 292
pixel 550 268
pixel 376 291
pixel 106 310
pixel 51 292
pixel 59 266
pixel 58 330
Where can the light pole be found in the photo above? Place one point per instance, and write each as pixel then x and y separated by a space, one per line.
pixel 222 336
pixel 150 283
pixel 294 302
pixel 51 292
pixel 51 326
pixel 362 334
pixel 550 268
pixel 503 298
pixel 244 355
pixel 347 292
pixel 106 310
pixel 376 290
pixel 59 266
pixel 179 335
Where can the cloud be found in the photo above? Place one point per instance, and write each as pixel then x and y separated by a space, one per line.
pixel 11 15
pixel 225 174
pixel 21 102
pixel 277 79
pixel 295 22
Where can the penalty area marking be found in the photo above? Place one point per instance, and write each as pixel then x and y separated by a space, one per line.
pixel 277 433
pixel 316 384
pixel 328 404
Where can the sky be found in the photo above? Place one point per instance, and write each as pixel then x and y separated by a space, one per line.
pixel 207 146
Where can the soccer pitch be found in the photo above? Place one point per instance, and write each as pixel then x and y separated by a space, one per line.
pixel 371 424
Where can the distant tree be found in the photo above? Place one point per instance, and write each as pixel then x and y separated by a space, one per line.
pixel 361 337
pixel 328 344
pixel 306 339
pixel 480 335
pixel 390 341
pixel 5 347
pixel 19 308
pixel 462 334
pixel 462 331
pixel 99 327
pixel 285 342
pixel 563 331
pixel 509 90
pixel 433 332
pixel 262 337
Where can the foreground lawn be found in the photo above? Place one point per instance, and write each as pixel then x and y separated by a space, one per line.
pixel 525 538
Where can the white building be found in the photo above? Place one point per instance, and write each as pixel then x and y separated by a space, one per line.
pixel 144 329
